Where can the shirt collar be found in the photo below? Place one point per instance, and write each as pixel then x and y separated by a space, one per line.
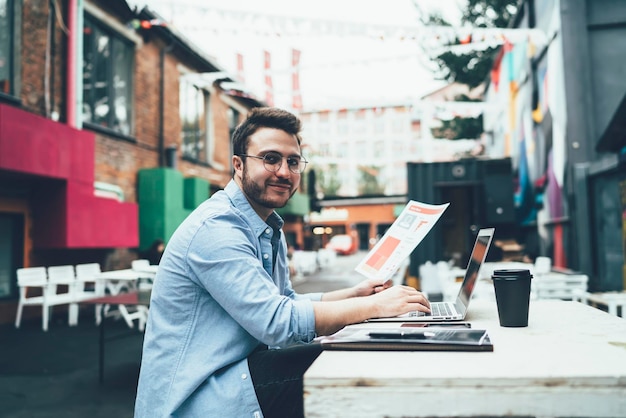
pixel 241 203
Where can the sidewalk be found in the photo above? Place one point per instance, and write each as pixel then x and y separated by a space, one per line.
pixel 55 373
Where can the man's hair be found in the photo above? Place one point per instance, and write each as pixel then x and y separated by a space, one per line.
pixel 264 117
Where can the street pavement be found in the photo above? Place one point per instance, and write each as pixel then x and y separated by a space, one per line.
pixel 54 374
pixel 339 275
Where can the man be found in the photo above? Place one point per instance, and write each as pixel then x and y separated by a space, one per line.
pixel 222 294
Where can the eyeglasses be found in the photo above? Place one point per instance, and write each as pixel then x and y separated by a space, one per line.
pixel 272 161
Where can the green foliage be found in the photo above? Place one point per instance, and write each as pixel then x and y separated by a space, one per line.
pixel 471 68
pixel 368 184
pixel 328 180
pixel 490 13
pixel 460 128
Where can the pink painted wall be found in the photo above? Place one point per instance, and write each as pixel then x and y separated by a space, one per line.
pixel 59 160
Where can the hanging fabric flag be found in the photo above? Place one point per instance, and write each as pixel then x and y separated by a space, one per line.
pixel 269 89
pixel 524 195
pixel 496 69
pixel 240 71
pixel 295 80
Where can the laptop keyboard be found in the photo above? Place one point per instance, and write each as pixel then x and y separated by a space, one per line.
pixel 436 309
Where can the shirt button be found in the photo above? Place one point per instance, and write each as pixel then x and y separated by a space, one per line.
pixel 265 256
pixel 244 376
pixel 267 231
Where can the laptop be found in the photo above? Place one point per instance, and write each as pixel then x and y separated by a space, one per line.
pixel 454 311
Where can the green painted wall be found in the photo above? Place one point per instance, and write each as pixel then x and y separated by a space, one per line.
pixel 165 199
pixel 297 205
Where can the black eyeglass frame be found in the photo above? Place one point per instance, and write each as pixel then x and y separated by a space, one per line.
pixel 274 167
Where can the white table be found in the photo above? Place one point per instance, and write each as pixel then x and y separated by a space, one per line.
pixel 115 280
pixel 570 361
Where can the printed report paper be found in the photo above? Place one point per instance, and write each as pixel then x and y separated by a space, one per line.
pixel 408 230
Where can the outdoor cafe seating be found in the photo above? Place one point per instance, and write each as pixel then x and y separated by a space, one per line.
pixel 70 285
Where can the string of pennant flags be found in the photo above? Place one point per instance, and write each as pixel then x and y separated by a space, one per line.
pixel 192 18
pixel 433 40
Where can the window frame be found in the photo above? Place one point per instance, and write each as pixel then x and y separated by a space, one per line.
pixel 113 69
pixel 14 44
pixel 204 154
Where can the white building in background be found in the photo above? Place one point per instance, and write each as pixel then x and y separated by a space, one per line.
pixel 380 139
pixel 377 139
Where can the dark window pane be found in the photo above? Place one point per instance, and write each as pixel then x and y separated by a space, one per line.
pixel 107 78
pixel 192 110
pixel 122 62
pixel 6 49
pixel 102 64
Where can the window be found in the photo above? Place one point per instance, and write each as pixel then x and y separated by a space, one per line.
pixel 107 78
pixel 233 120
pixel 9 47
pixel 194 116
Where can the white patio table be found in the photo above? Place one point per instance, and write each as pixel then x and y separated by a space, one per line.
pixel 569 362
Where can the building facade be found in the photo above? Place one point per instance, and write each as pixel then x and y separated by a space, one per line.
pixel 556 94
pixel 113 127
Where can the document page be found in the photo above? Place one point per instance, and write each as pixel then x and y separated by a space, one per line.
pixel 408 230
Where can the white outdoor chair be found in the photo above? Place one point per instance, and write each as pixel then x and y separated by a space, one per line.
pixel 145 282
pixel 144 267
pixel 63 275
pixel 27 278
pixel 140 265
pixel 140 313
pixel 88 286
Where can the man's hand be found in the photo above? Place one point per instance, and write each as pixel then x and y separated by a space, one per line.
pixel 371 286
pixel 333 314
pixel 365 288
pixel 398 300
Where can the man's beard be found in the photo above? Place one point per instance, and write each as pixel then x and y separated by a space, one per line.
pixel 256 193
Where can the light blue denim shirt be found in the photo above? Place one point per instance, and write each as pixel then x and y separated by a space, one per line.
pixel 214 300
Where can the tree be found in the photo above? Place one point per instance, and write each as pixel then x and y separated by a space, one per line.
pixel 470 68
pixel 368 185
pixel 470 128
pixel 328 180
pixel 490 13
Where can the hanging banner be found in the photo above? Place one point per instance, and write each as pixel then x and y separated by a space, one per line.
pixel 240 71
pixel 295 80
pixel 269 88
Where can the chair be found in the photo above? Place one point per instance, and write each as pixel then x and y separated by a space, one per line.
pixel 63 275
pixel 140 265
pixel 144 267
pixel 140 314
pixel 27 278
pixel 143 284
pixel 88 286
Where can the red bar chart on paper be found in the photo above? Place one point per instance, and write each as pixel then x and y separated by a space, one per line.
pixel 408 230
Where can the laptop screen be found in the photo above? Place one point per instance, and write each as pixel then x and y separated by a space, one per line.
pixel 477 257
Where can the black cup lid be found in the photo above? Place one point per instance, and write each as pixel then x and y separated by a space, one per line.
pixel 511 274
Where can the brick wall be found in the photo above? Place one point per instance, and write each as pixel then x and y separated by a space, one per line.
pixel 117 160
pixel 33 60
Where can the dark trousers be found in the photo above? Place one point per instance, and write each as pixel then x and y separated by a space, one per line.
pixel 277 378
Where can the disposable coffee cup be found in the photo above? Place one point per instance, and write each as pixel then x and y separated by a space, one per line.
pixel 512 287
